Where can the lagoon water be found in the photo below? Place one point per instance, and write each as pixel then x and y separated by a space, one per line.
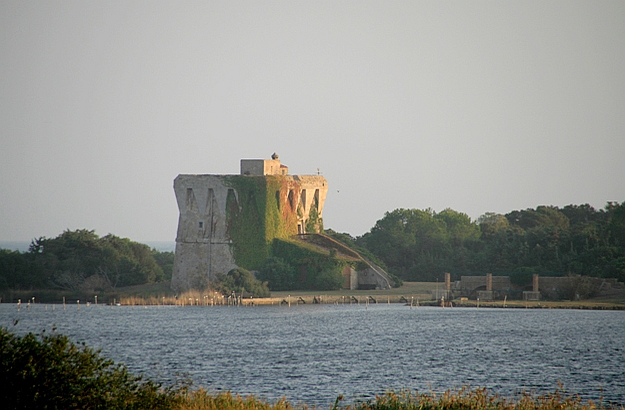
pixel 312 354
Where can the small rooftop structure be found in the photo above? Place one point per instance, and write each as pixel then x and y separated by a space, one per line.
pixel 260 167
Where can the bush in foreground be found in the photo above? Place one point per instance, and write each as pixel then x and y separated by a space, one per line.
pixel 50 372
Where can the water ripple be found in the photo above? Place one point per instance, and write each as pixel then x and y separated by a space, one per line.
pixel 315 353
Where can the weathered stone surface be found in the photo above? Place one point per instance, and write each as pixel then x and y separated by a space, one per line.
pixel 204 242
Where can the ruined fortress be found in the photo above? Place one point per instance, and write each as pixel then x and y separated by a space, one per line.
pixel 224 216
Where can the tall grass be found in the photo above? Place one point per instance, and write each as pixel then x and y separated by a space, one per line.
pixel 190 298
pixel 462 399
pixel 467 399
pixel 202 400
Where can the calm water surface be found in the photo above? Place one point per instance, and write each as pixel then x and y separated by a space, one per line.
pixel 315 353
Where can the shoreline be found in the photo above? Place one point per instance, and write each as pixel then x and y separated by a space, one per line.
pixel 310 300
pixel 411 293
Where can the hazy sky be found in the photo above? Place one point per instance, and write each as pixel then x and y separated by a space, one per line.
pixel 474 105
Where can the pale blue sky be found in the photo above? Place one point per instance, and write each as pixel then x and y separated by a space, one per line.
pixel 474 105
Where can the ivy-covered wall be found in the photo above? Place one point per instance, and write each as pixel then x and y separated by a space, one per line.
pixel 317 269
pixel 259 212
pixel 245 212
pixel 230 221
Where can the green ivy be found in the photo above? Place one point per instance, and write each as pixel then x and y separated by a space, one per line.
pixel 245 220
pixel 314 224
pixel 317 269
pixel 256 218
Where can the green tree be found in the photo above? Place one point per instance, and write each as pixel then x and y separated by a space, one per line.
pixel 17 271
pixel 328 279
pixel 459 227
pixel 420 244
pixel 240 281
pixel 165 260
pixel 278 274
pixel 541 216
pixel 490 223
pixel 616 225
pixel 76 259
pixel 393 240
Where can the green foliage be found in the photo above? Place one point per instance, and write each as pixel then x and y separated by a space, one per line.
pixel 577 239
pixel 314 224
pixel 350 241
pixel 468 399
pixel 256 217
pixel 522 276
pixel 464 398
pixel 18 271
pixel 202 400
pixel 50 372
pixel 240 281
pixel 491 223
pixel 278 274
pixel 317 269
pixel 329 278
pixel 281 218
pixel 246 220
pixel 81 261
pixel 417 245
pixel 166 262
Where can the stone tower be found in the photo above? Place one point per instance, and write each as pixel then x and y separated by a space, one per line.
pixel 229 221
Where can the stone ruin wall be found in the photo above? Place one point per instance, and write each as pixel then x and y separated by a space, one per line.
pixel 203 245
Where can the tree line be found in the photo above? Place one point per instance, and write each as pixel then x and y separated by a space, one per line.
pixel 420 245
pixel 82 261
pixel 412 244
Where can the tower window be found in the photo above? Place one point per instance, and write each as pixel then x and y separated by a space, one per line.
pixel 201 224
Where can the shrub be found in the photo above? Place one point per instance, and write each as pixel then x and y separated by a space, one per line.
pixel 329 279
pixel 240 280
pixel 50 372
pixel 278 274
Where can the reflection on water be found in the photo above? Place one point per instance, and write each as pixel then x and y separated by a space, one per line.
pixel 315 353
